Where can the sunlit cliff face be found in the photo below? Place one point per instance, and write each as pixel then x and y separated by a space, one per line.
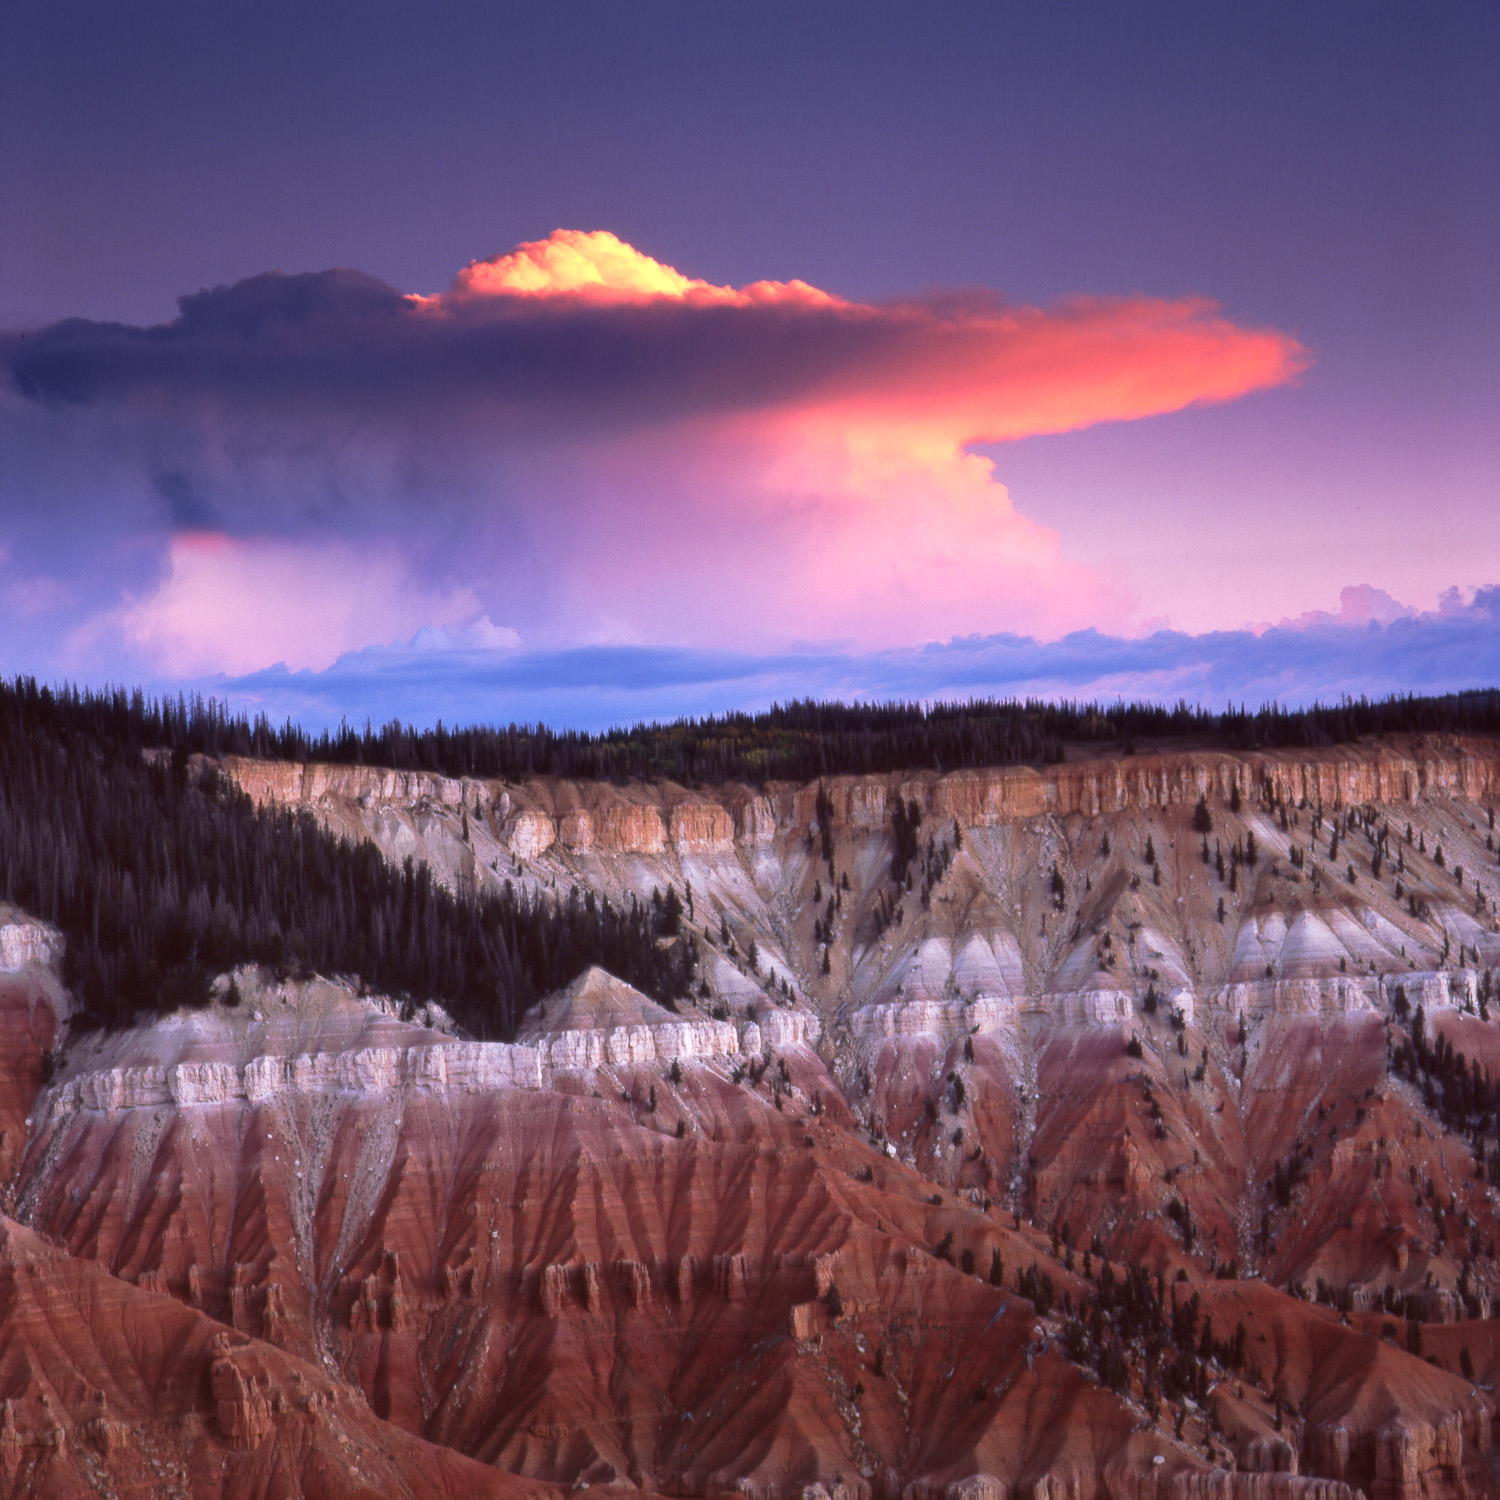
pixel 579 442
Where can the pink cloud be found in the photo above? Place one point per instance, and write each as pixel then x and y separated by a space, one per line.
pixel 745 536
pixel 234 606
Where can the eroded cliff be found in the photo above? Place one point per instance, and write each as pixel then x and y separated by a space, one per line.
pixel 785 1237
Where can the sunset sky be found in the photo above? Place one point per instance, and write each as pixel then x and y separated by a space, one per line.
pixel 592 363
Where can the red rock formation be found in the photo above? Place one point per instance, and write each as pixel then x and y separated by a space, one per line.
pixel 106 1388
pixel 528 1264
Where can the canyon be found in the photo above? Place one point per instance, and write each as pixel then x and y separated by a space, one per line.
pixel 965 1054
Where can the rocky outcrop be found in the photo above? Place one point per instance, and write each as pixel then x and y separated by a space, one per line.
pixel 597 818
pixel 641 1046
pixel 529 833
pixel 731 1277
pixel 25 943
pixel 635 1282
pixel 1413 1458
pixel 943 1018
pixel 1304 996
pixel 701 828
pixel 452 1068
pixel 241 1409
pixel 288 782
pixel 1219 1484
pixel 436 1069
pixel 784 1029
pixel 10 1441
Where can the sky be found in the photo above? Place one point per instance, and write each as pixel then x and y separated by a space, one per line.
pixel 596 363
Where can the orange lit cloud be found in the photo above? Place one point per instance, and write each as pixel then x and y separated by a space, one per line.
pixel 597 266
pixel 998 374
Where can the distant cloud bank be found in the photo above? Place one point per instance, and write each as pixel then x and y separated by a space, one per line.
pixel 1323 656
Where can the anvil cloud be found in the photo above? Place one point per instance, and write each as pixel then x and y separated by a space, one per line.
pixel 575 443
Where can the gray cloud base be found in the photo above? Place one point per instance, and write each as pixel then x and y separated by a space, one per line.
pixel 342 339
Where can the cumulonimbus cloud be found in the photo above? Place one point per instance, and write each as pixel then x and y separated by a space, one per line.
pixel 590 444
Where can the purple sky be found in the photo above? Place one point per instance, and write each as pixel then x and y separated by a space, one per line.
pixel 1160 323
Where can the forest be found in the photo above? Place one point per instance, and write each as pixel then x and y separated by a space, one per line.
pixel 160 878
pixel 798 741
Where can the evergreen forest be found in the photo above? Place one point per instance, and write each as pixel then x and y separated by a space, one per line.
pixel 160 878
pixel 799 741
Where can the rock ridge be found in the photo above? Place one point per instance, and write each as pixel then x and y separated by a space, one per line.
pixel 440 1068
pixel 531 817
